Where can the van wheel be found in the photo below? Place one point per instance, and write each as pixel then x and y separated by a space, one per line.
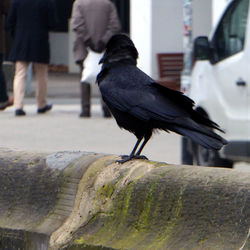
pixel 186 151
pixel 202 156
pixel 207 157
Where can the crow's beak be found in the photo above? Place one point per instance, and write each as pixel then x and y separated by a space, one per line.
pixel 102 59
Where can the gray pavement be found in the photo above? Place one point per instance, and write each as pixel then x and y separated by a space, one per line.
pixel 62 129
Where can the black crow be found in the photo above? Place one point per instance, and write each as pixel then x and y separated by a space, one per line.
pixel 141 105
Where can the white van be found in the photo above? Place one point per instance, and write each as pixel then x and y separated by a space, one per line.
pixel 220 87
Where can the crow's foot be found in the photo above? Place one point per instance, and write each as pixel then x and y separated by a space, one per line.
pixel 126 158
pixel 142 157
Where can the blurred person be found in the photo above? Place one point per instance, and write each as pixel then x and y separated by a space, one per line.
pixel 5 101
pixel 29 22
pixel 94 23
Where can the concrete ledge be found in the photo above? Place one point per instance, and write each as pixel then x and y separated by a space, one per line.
pixel 77 200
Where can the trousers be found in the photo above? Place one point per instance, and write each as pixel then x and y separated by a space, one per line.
pixel 41 74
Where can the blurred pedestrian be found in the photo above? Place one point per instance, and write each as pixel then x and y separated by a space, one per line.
pixel 5 101
pixel 94 22
pixel 29 22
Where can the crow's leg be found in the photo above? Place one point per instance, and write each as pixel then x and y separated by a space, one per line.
pixel 137 155
pixel 126 158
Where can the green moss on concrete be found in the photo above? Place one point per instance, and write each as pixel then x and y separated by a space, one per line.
pixel 105 191
pixel 117 229
pixel 165 234
pixel 85 247
pixel 143 222
pixel 124 204
pixel 114 221
pixel 149 208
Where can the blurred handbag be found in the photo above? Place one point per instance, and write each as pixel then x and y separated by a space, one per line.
pixel 91 67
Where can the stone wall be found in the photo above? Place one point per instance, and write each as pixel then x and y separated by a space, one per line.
pixel 80 200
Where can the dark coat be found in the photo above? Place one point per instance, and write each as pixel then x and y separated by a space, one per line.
pixel 29 22
pixel 4 6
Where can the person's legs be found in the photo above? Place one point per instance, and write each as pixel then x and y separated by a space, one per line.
pixel 41 73
pixel 85 93
pixel 20 84
pixel 85 99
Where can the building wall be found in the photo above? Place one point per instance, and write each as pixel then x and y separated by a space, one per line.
pixel 202 17
pixel 167 31
pixel 59 43
pixel 155 26
pixel 141 32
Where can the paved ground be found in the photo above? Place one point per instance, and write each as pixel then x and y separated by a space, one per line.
pixel 62 129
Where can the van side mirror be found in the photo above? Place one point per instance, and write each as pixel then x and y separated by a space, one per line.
pixel 201 48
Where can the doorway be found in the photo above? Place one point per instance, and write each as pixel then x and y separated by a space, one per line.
pixel 123 9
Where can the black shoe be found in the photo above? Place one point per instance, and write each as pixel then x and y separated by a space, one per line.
pixel 46 108
pixel 19 112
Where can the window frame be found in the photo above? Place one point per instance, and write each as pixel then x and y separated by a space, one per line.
pixel 214 41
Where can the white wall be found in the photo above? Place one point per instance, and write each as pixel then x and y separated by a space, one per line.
pixel 73 68
pixel 156 26
pixel 202 17
pixel 167 29
pixel 167 25
pixel 141 32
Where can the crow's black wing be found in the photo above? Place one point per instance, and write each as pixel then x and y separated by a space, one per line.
pixel 130 90
pixel 129 101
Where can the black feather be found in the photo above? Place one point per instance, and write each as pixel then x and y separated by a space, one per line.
pixel 141 105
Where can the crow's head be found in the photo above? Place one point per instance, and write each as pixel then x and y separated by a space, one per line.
pixel 120 48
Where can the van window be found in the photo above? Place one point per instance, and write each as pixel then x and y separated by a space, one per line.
pixel 230 35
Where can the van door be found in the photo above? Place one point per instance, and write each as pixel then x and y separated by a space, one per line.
pixel 231 68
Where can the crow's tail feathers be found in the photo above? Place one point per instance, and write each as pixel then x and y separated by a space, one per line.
pixel 198 133
pixel 203 119
pixel 209 139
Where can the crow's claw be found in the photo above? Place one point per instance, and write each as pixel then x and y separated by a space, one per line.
pixel 142 157
pixel 126 158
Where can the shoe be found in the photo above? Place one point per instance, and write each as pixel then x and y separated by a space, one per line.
pixel 46 108
pixel 4 105
pixel 19 112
